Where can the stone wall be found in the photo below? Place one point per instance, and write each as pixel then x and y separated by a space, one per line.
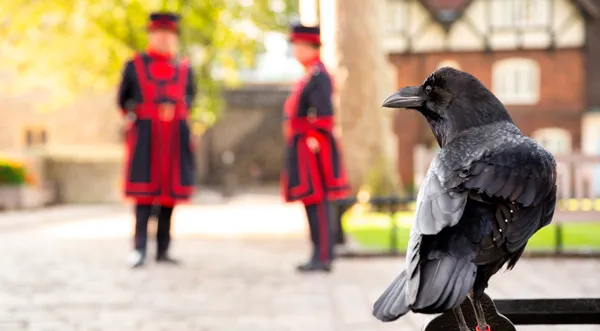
pixel 251 129
pixel 85 174
pixel 71 174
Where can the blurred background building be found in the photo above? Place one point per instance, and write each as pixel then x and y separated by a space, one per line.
pixel 536 55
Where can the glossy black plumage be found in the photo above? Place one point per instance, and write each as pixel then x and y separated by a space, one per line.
pixel 485 194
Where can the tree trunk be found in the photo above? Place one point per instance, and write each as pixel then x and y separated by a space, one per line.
pixel 363 80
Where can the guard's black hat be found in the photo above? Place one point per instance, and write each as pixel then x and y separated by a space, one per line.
pixel 165 21
pixel 309 34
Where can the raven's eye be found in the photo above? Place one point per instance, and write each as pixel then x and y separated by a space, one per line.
pixel 427 89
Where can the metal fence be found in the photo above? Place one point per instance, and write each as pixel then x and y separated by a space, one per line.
pixel 391 205
pixel 503 315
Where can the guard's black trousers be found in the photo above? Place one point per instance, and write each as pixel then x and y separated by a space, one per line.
pixel 321 232
pixel 163 231
pixel 340 236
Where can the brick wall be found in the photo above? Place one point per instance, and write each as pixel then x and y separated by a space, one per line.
pixel 562 93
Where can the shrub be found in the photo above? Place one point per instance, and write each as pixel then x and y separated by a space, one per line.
pixel 14 173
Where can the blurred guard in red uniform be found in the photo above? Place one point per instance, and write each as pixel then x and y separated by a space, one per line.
pixel 156 93
pixel 313 172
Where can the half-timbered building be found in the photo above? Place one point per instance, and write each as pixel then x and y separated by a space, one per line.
pixel 540 57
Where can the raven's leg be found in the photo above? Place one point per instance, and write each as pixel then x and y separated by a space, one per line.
pixel 460 318
pixel 479 314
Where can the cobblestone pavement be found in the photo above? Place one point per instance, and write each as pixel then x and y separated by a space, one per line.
pixel 72 276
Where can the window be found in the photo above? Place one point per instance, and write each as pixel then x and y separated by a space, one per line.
pixel 43 136
pixel 396 12
pixel 448 63
pixel 516 81
pixel 556 140
pixel 519 13
pixel 35 136
pixel 28 138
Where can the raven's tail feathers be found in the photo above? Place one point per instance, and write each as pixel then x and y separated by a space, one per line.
pixel 445 283
pixel 392 304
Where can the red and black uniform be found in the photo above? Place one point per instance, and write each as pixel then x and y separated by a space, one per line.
pixel 314 173
pixel 157 90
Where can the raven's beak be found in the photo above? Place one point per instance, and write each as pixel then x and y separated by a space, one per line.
pixel 408 97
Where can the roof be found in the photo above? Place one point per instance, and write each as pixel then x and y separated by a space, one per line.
pixel 447 12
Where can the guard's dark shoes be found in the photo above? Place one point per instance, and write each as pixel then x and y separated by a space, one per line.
pixel 138 264
pixel 137 260
pixel 166 259
pixel 314 267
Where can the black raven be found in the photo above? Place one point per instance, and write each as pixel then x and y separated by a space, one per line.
pixel 486 192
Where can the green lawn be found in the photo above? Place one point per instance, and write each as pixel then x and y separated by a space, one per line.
pixel 372 230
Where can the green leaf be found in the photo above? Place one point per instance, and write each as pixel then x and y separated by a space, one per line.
pixel 78 46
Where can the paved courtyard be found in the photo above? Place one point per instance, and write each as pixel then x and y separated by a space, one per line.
pixel 68 273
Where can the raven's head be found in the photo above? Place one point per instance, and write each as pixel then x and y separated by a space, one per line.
pixel 452 101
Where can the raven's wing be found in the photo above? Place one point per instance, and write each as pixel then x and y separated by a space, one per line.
pixel 503 165
pixel 521 180
pixel 511 169
pixel 440 204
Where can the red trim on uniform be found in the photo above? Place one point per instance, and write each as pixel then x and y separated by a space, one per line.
pixel 147 94
pixel 163 24
pixel 306 37
pixel 145 200
pixel 165 164
pixel 310 189
pixel 314 168
pixel 164 134
pixel 283 186
pixel 130 142
pixel 312 64
pixel 185 62
pixel 310 127
pixel 327 164
pixel 341 185
pixel 147 111
pixel 177 187
pixel 322 223
pixel 159 55
pixel 148 90
pixel 306 125
pixel 310 174
pixel 303 186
